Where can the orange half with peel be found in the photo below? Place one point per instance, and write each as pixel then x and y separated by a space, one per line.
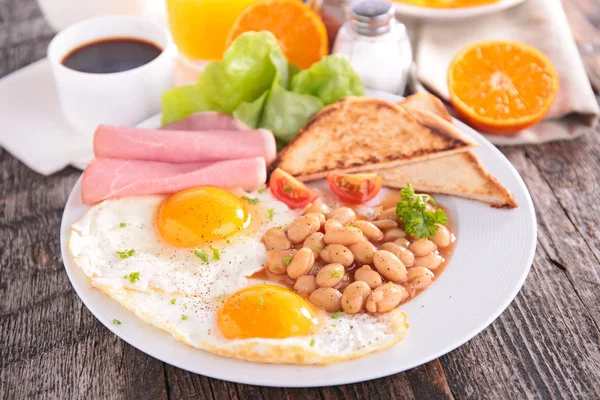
pixel 299 30
pixel 501 86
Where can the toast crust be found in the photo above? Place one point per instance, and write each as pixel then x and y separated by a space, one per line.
pixel 426 102
pixel 460 175
pixel 360 134
pixel 469 178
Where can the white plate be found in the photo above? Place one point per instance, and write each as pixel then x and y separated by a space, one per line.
pixel 407 10
pixel 492 257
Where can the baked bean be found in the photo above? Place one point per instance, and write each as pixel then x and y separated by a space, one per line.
pixel 369 230
pixel 393 234
pixel 278 260
pixel 422 247
pixel 389 266
pixel 430 261
pixel 332 224
pixel 419 278
pixel 305 285
pixel 301 263
pixel 385 224
pixel 275 239
pixel 301 227
pixel 363 251
pixel 344 215
pixel 388 213
pixel 405 255
pixel 320 217
pixel 327 298
pixel 330 275
pixel 402 242
pixel 369 276
pixel 385 298
pixel 345 236
pixel 317 207
pixel 443 237
pixel 354 297
pixel 314 241
pixel 337 253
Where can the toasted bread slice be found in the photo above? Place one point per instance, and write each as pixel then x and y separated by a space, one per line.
pixel 460 175
pixel 426 102
pixel 361 134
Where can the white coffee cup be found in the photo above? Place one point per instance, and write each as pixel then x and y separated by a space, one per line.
pixel 120 98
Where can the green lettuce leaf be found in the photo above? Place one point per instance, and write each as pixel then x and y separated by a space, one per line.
pixel 251 113
pixel 248 69
pixel 286 112
pixel 330 79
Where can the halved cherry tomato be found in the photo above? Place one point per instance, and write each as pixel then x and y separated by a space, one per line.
pixel 355 188
pixel 290 190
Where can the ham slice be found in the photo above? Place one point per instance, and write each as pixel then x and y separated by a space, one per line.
pixel 182 146
pixel 207 121
pixel 106 178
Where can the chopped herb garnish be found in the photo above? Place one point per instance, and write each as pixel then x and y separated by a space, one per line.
pixel 335 273
pixel 271 213
pixel 260 301
pixel 126 253
pixel 249 200
pixel 416 218
pixel 122 225
pixel 216 255
pixel 228 241
pixel 312 342
pixel 184 317
pixel 287 260
pixel 337 314
pixel 333 325
pixel 173 301
pixel 343 182
pixel 201 254
pixel 367 256
pixel 116 322
pixel 133 277
pixel 262 190
pixel 318 248
pixel 287 188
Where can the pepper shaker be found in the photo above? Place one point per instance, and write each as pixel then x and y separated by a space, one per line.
pixel 377 46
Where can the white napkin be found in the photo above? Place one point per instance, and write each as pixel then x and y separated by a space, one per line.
pixel 540 23
pixel 33 128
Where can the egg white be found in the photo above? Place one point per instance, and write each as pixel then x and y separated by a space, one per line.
pixel 178 292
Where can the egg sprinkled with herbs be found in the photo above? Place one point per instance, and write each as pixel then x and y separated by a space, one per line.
pixel 184 263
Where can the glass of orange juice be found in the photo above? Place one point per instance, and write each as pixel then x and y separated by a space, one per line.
pixel 200 27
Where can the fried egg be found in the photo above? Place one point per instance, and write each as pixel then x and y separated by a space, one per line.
pixel 184 263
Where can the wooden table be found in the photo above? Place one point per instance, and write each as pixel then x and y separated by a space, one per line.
pixel 545 345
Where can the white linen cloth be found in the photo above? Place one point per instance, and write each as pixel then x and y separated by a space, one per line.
pixel 540 23
pixel 33 128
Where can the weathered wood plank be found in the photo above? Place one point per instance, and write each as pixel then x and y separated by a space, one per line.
pixel 51 345
pixel 584 20
pixel 545 345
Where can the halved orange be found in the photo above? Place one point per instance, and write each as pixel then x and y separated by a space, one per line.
pixel 501 86
pixel 299 30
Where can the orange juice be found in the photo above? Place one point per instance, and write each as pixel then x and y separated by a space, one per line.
pixel 200 27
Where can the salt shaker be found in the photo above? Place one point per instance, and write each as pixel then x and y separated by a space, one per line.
pixel 377 46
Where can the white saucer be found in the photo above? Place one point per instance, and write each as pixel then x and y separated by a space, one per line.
pixel 407 10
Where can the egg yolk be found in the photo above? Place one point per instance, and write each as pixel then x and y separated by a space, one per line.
pixel 265 311
pixel 199 215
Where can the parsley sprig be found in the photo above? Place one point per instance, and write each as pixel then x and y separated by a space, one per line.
pixel 416 218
